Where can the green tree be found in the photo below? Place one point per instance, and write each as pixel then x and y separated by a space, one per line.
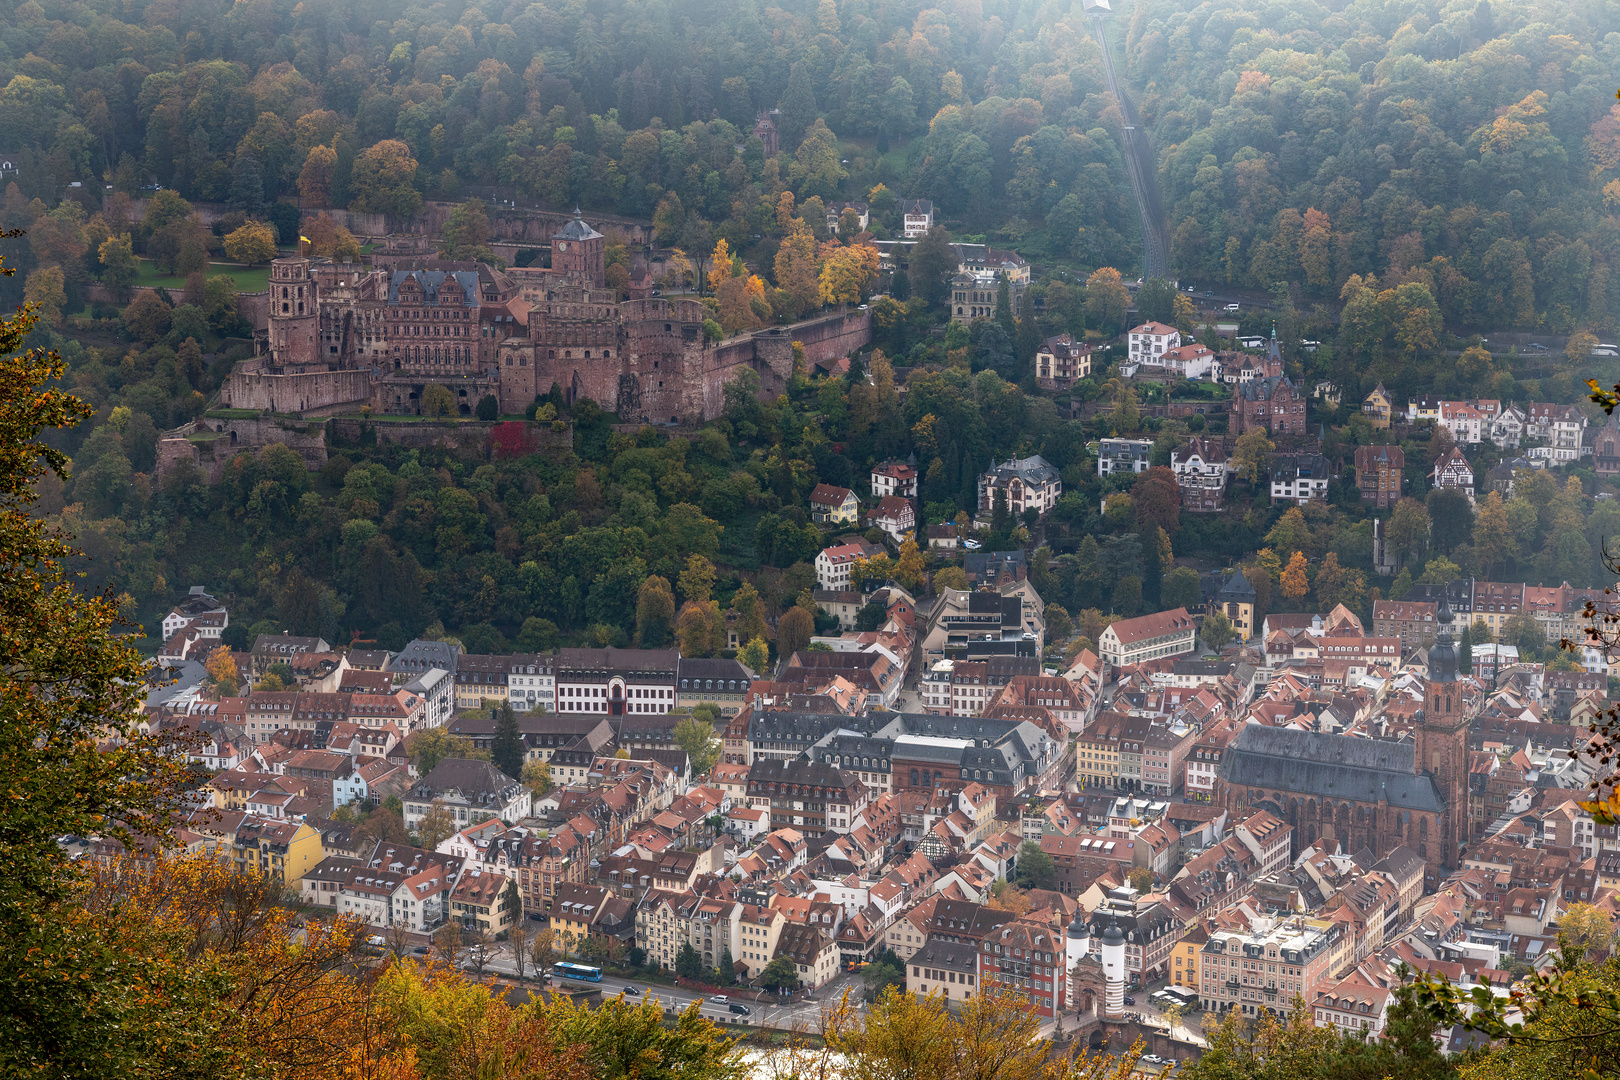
pixel 697 738
pixel 688 964
pixel 749 610
pixel 506 746
pixel 1156 301
pixel 1179 589
pixel 1107 299
pixel 438 401
pixel 1252 454
pixel 467 233
pixel 780 972
pixel 655 613
pixel 755 655
pixel 118 266
pixel 1036 869
pixel 1141 879
pixel 489 408
pixel 1217 631
pixel 933 262
pixel 430 746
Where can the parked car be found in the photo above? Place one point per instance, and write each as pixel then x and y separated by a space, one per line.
pixel 420 950
pixel 1233 307
pixel 1129 1000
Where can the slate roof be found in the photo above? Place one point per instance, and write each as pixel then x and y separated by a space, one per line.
pixel 432 280
pixel 1321 765
pixel 575 230
pixel 1264 389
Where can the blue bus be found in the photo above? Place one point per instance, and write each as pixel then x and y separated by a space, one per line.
pixel 562 969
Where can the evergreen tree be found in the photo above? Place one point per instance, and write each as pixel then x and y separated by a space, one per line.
pixel 726 974
pixel 688 965
pixel 506 748
pixel 900 285
pixel 933 261
pixel 799 109
pixel 1465 650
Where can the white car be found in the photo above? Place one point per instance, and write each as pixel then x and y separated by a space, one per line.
pixel 1233 307
pixel 720 999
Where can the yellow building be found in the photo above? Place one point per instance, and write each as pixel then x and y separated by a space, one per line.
pixel 484 900
pixel 1377 408
pixel 1236 602
pixel 573 913
pixel 718 682
pixel 1096 753
pixel 282 850
pixel 1184 958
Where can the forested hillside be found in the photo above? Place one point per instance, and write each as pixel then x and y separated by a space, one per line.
pixel 1355 151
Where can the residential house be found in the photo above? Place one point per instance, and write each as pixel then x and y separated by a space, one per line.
pixel 472 791
pixel 948 968
pixel 1030 483
pixel 895 517
pixel 1300 478
pixel 1468 426
pixel 1150 341
pixel 894 478
pixel 917 217
pixel 1236 600
pixel 1453 471
pixel 1377 408
pixel 1379 474
pixel 485 901
pixel 1123 455
pixel 813 951
pixel 1060 362
pixel 831 505
pixel 1192 361
pixel 718 682
pixel 833 564
pixel 1273 403
pixel 1201 472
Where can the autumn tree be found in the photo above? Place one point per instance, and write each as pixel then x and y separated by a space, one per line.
pixel 1106 299
pixel 222 670
pixel 655 613
pixel 1217 631
pixel 848 274
pixel 701 629
pixel 749 611
pixel 537 776
pixel 315 178
pixel 436 826
pixel 743 303
pixel 1156 498
pixel 696 581
pixel 1294 582
pixel 44 290
pixel 254 242
pixel 384 180
pixel 798 270
pixel 755 655
pixel 75 761
pixel 794 630
pixel 437 400
pixel 1252 454
pixel 429 746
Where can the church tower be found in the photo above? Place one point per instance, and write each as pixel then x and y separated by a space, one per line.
pixel 1442 743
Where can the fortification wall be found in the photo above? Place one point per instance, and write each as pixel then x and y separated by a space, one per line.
pixel 466 434
pixel 210 442
pixel 312 392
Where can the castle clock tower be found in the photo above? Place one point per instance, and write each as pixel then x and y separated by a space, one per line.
pixel 1442 743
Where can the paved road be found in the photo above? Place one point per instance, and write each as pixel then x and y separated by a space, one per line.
pixel 767 1013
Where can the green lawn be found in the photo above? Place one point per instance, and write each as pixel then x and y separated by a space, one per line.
pixel 254 279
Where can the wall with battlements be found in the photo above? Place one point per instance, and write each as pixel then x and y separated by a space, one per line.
pixel 255 385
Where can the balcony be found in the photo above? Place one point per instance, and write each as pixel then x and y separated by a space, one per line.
pixel 1233 984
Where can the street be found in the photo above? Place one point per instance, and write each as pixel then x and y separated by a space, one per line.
pixel 764 1013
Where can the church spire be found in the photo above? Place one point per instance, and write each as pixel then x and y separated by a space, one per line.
pixel 1443 653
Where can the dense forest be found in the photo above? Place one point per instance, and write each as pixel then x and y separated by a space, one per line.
pixel 1396 178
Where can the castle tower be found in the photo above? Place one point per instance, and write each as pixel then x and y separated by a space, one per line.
pixel 1075 947
pixel 294 317
pixel 1442 743
pixel 1113 962
pixel 576 252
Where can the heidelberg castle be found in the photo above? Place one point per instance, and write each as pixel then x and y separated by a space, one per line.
pixel 342 336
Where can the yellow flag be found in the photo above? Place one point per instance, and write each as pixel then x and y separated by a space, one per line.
pixel 306 239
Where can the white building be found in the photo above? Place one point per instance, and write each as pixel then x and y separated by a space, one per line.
pixel 1190 361
pixel 1030 483
pixel 532 684
pixel 1123 455
pixel 1148 637
pixel 918 217
pixel 833 565
pixel 1150 341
